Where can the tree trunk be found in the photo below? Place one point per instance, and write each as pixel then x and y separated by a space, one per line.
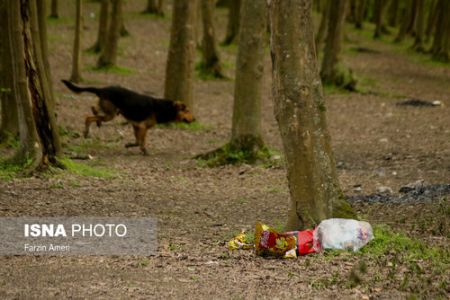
pixel 360 13
pixel 233 22
pixel 123 30
pixel 108 55
pixel 76 56
pixel 155 7
pixel 332 72
pixel 407 27
pixel 37 127
pixel 9 125
pixel 180 60
pixel 418 41
pixel 431 21
pixel 393 13
pixel 323 24
pixel 211 64
pixel 54 9
pixel 378 17
pixel 441 43
pixel 246 129
pixel 102 27
pixel 300 113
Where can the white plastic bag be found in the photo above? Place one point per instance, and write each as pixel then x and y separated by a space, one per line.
pixel 344 234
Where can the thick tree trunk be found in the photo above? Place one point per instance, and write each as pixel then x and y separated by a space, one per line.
pixel 37 127
pixel 102 32
pixel 332 72
pixel 323 24
pixel 393 13
pixel 108 56
pixel 431 21
pixel 300 113
pixel 360 13
pixel 211 63
pixel 54 9
pixel 180 61
pixel 9 123
pixel 155 7
pixel 420 23
pixel 246 129
pixel 378 17
pixel 234 16
pixel 441 43
pixel 407 25
pixel 76 55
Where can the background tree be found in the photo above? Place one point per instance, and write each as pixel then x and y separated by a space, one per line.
pixel 211 63
pixel 234 15
pixel 393 13
pixel 325 11
pixel 408 11
pixel 8 126
pixel 420 27
pixel 180 60
pixel 76 55
pixel 360 9
pixel 102 32
pixel 300 113
pixel 431 20
pixel 379 9
pixel 332 71
pixel 441 42
pixel 154 7
pixel 37 126
pixel 54 9
pixel 108 56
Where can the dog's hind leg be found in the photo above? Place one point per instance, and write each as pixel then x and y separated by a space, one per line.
pixel 135 144
pixel 97 119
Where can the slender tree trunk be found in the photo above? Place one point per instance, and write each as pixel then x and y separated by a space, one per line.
pixel 180 61
pixel 393 13
pixel 323 24
pixel 441 43
pixel 431 21
pixel 76 56
pixel 360 13
pixel 246 129
pixel 332 72
pixel 102 32
pixel 54 9
pixel 155 7
pixel 9 122
pixel 37 127
pixel 378 17
pixel 108 56
pixel 233 22
pixel 123 29
pixel 211 64
pixel 300 113
pixel 420 24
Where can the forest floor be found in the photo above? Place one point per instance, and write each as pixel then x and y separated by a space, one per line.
pixel 378 146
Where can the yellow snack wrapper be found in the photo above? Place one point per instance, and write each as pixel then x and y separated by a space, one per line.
pixel 269 242
pixel 240 242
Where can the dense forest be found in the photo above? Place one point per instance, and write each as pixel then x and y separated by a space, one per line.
pixel 210 116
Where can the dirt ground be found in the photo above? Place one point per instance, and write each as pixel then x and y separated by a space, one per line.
pixel 377 144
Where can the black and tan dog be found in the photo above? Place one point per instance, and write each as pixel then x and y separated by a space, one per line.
pixel 142 111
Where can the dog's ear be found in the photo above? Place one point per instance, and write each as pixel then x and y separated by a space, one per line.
pixel 180 106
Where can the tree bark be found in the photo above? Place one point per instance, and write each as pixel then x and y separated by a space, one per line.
pixel 409 13
pixel 323 24
pixel 246 128
pixel 441 43
pixel 378 17
pixel 9 122
pixel 155 7
pixel 54 9
pixel 233 22
pixel 180 61
pixel 102 32
pixel 76 55
pixel 300 113
pixel 37 127
pixel 431 21
pixel 360 13
pixel 108 56
pixel 420 23
pixel 332 72
pixel 211 63
pixel 393 13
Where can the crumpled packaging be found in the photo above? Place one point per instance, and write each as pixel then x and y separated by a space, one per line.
pixel 269 242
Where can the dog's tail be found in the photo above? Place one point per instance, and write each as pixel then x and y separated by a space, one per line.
pixel 78 89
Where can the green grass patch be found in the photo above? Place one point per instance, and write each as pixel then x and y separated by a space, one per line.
pixel 193 126
pixel 113 70
pixel 9 170
pixel 82 169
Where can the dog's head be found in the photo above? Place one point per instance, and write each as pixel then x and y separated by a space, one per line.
pixel 183 113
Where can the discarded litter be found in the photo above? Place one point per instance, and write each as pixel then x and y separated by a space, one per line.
pixel 339 234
